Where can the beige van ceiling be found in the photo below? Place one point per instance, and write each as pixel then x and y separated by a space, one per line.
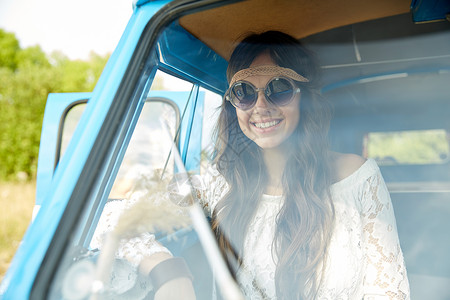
pixel 220 28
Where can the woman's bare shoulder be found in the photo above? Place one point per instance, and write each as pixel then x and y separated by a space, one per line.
pixel 345 164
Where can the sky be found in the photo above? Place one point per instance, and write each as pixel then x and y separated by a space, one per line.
pixel 74 27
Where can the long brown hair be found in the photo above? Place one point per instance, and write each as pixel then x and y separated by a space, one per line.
pixel 303 225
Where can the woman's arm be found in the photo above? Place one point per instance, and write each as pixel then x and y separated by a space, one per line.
pixel 144 253
pixel 174 289
pixel 385 272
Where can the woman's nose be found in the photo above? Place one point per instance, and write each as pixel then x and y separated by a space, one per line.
pixel 262 101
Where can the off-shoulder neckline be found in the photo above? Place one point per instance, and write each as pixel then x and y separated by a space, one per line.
pixel 267 197
pixel 367 169
pixel 362 173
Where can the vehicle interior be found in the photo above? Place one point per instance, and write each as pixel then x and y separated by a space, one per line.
pixel 386 75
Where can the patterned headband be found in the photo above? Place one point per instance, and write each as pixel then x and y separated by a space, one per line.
pixel 267 70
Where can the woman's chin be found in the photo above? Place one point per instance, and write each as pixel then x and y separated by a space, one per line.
pixel 268 143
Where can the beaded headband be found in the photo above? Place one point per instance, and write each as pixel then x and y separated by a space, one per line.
pixel 267 70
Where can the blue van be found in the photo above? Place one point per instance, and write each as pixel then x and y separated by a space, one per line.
pixel 385 69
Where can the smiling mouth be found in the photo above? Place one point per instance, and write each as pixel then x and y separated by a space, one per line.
pixel 265 125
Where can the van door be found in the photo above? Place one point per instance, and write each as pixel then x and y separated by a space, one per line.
pixel 63 113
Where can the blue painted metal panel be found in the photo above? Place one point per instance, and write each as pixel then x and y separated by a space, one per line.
pixel 55 107
pixel 58 104
pixel 430 10
pixel 184 54
pixel 25 265
pixel 140 2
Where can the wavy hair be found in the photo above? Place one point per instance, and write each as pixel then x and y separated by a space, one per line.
pixel 305 221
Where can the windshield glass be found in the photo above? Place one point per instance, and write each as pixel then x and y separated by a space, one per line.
pixel 319 164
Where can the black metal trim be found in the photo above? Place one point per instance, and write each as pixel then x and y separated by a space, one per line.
pixel 62 121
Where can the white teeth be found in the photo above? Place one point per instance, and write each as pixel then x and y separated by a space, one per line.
pixel 266 124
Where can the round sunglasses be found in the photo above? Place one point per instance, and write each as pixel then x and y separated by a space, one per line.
pixel 278 91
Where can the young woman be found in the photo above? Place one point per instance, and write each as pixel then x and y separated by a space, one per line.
pixel 294 219
pixel 302 222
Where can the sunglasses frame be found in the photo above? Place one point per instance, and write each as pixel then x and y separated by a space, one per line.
pixel 295 91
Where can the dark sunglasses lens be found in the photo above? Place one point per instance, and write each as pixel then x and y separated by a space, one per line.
pixel 280 91
pixel 243 95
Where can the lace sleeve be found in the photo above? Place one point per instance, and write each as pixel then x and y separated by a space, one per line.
pixel 133 249
pixel 385 276
pixel 211 189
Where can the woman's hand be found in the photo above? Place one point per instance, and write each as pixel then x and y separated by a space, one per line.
pixel 175 289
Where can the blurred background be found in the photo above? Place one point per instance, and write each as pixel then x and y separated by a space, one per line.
pixel 46 46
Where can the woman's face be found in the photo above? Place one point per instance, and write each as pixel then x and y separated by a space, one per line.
pixel 266 124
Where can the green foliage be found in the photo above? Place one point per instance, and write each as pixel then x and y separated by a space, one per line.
pixel 78 75
pixel 9 46
pixel 409 147
pixel 27 76
pixel 31 57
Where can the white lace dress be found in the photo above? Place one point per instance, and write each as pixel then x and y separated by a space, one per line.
pixel 364 259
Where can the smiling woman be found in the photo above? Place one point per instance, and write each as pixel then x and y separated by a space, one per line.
pixel 297 250
pixel 297 208
pixel 269 123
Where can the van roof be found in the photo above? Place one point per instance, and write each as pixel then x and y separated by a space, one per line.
pixel 299 18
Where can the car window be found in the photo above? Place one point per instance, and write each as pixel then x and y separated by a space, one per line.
pixel 410 147
pixel 69 124
pixel 147 136
pixel 147 167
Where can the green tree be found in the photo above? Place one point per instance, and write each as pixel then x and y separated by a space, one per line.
pixel 9 46
pixel 23 92
pixel 27 76
pixel 32 56
pixel 78 75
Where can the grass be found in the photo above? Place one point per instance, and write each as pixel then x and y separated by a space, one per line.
pixel 16 205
